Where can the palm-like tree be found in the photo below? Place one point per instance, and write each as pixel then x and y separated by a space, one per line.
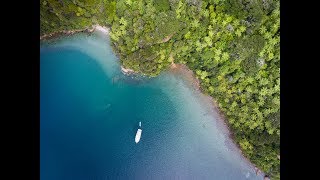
pixel 236 23
pixel 129 2
pixel 270 56
pixel 123 21
pixel 242 29
pixel 277 88
pixel 275 27
pixel 276 12
pixel 267 35
pixel 206 13
pixel 218 52
pixel 229 18
pixel 207 39
pixel 238 32
pixel 210 33
pixel 261 103
pixel 214 21
pixel 224 23
pixel 253 117
pixel 195 23
pixel 262 29
pixel 273 41
pixel 264 91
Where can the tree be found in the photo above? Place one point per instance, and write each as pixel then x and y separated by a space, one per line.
pixel 232 46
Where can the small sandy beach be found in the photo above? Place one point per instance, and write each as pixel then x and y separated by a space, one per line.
pixel 103 29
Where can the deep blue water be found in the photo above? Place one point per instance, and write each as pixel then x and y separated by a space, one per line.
pixel 89 114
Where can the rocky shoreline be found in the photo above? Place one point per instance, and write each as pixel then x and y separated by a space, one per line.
pixel 127 71
pixel 189 75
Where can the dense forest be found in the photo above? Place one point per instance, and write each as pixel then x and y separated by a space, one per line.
pixel 233 46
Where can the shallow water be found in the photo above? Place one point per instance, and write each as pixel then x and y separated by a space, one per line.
pixel 89 114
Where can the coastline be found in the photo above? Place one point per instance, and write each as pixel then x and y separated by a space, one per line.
pixel 180 69
pixel 189 76
pixel 127 71
pixel 105 30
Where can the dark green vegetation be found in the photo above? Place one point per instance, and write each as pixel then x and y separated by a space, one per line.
pixel 233 46
pixel 57 15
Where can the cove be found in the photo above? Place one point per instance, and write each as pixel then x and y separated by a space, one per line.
pixel 89 114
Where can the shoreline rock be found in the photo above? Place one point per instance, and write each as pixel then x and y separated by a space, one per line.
pixel 103 29
pixel 258 171
pixel 266 177
pixel 127 71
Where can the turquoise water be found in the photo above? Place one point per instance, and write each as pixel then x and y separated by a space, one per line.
pixel 89 114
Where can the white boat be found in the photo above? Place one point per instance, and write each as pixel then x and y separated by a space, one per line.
pixel 138 134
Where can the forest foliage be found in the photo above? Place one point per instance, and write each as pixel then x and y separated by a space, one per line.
pixel 233 46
